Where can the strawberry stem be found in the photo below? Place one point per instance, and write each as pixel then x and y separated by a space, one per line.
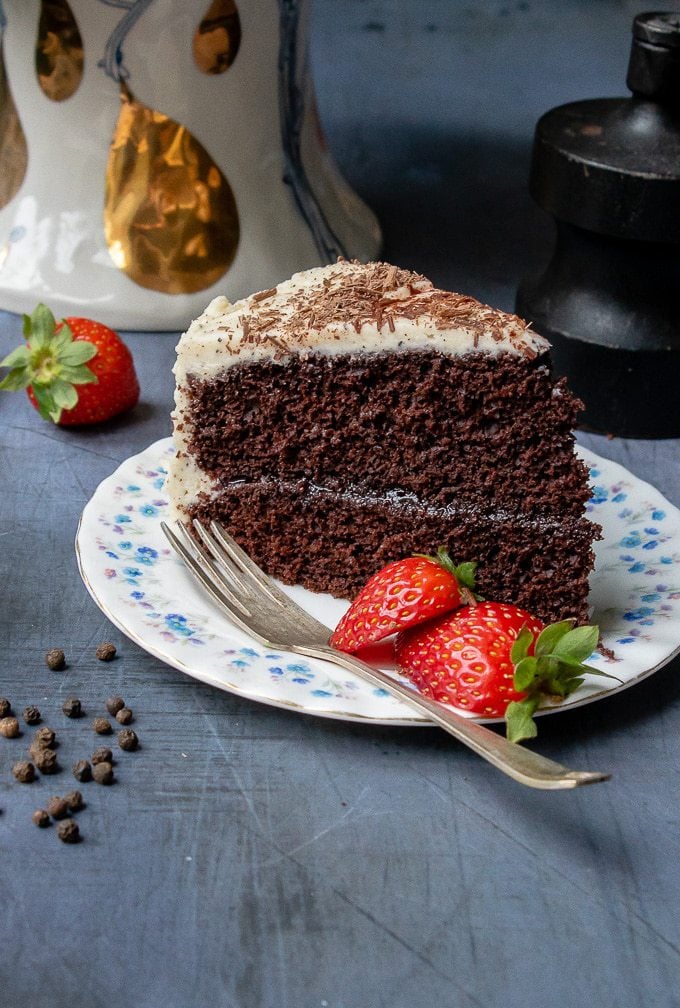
pixel 51 364
pixel 549 665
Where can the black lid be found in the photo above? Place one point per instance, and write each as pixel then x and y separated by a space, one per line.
pixel 654 67
pixel 612 165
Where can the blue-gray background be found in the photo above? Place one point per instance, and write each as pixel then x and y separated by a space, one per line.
pixel 253 858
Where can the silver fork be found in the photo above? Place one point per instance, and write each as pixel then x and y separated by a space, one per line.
pixel 255 604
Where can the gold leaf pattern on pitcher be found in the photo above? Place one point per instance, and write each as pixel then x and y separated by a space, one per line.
pixel 13 148
pixel 217 38
pixel 170 216
pixel 59 50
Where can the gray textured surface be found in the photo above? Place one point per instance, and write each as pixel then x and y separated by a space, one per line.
pixel 252 858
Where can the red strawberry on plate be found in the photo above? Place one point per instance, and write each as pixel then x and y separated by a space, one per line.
pixel 496 660
pixel 403 594
pixel 75 372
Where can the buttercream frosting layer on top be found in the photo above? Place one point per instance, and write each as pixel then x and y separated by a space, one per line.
pixel 344 308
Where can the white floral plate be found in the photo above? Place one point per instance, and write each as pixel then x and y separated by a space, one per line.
pixel 144 589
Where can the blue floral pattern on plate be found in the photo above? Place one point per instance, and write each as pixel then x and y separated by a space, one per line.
pixel 143 588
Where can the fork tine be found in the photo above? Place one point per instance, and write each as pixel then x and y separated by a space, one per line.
pixel 221 563
pixel 251 574
pixel 260 590
pixel 211 579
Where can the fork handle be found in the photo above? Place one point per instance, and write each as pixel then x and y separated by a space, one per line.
pixel 521 764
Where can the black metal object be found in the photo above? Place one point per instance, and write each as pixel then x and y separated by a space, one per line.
pixel 608 170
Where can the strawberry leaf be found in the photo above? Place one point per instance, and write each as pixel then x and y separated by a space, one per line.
pixel 578 643
pixel 573 684
pixel 521 645
pixel 77 352
pixel 39 327
pixel 47 407
pixel 64 394
pixel 465 574
pixel 19 378
pixel 525 674
pixel 550 635
pixel 519 720
pixel 80 375
pixel 19 357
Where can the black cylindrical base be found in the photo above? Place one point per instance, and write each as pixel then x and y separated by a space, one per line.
pixel 611 309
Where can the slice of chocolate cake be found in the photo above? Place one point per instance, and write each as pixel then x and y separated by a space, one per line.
pixel 355 414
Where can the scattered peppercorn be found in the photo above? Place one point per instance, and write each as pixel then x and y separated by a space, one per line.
pixel 72 707
pixel 9 727
pixel 102 755
pixel 124 716
pixel 74 800
pixel 102 726
pixel 41 818
pixel 5 707
pixel 114 704
pixel 44 738
pixel 68 831
pixel 82 771
pixel 106 651
pixel 127 739
pixel 31 715
pixel 55 659
pixel 45 760
pixel 103 773
pixel 57 807
pixel 24 771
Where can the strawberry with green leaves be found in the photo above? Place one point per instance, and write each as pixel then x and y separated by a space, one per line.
pixel 75 371
pixel 403 594
pixel 496 660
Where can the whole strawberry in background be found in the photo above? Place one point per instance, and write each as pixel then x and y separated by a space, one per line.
pixel 76 371
pixel 496 660
pixel 402 594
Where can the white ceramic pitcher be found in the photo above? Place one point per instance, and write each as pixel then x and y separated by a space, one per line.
pixel 155 153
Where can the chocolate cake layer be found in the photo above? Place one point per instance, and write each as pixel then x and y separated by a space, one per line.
pixel 474 431
pixel 331 541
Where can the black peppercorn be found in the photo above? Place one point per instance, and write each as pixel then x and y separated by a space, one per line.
pixel 124 716
pixel 41 818
pixel 103 773
pixel 5 707
pixel 9 727
pixel 127 739
pixel 72 707
pixel 57 807
pixel 31 715
pixel 114 704
pixel 106 651
pixel 102 726
pixel 82 771
pixel 55 659
pixel 24 771
pixel 44 738
pixel 102 755
pixel 68 831
pixel 45 760
pixel 74 800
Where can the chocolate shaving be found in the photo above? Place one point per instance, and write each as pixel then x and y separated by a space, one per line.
pixel 263 295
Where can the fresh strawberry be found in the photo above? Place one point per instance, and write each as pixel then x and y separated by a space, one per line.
pixel 403 594
pixel 75 372
pixel 496 660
